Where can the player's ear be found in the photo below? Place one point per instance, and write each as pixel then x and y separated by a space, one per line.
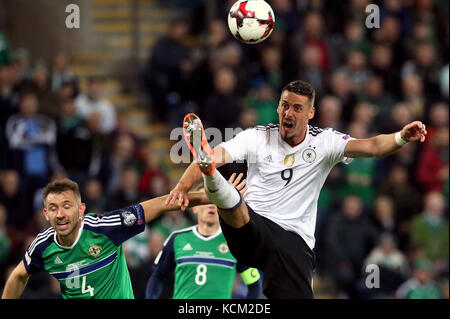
pixel 195 210
pixel 82 209
pixel 311 113
pixel 44 211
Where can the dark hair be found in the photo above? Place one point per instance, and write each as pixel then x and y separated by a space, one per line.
pixel 301 88
pixel 62 185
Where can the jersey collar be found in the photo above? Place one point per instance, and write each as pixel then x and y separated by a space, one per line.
pixel 295 148
pixel 219 231
pixel 76 240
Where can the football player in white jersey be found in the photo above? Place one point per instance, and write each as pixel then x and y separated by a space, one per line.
pixel 273 228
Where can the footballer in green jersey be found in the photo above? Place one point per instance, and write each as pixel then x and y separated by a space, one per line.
pixel 84 251
pixel 204 266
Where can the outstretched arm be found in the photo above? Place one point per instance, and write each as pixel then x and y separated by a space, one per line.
pixel 16 283
pixel 191 176
pixel 156 206
pixel 386 144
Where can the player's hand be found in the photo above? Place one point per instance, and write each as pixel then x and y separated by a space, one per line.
pixel 414 131
pixel 178 196
pixel 236 182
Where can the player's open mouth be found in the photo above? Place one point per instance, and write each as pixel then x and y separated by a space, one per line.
pixel 62 225
pixel 288 124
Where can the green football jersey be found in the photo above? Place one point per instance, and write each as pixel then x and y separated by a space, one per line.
pixel 204 267
pixel 94 266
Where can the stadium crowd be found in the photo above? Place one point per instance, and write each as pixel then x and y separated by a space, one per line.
pixel 392 212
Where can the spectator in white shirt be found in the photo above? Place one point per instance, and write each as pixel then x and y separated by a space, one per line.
pixel 93 104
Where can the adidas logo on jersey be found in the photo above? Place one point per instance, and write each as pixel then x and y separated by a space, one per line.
pixel 58 260
pixel 187 247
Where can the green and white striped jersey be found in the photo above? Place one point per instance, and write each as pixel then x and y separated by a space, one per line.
pixel 94 266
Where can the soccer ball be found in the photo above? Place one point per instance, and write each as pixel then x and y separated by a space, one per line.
pixel 251 21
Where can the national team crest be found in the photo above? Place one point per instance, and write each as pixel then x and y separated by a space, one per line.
pixel 309 155
pixel 289 160
pixel 223 248
pixel 94 250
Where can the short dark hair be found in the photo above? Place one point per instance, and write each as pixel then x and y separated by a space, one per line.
pixel 301 88
pixel 62 185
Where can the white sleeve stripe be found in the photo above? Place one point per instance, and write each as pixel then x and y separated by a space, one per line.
pixel 102 224
pixel 105 218
pixel 40 241
pixel 101 220
pixel 40 236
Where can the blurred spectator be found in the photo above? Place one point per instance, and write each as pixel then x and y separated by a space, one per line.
pixel 128 192
pixel 389 34
pixel 39 84
pixel 270 72
pixel 430 230
pixel 74 143
pixel 171 221
pixel 356 69
pixel 121 157
pixel 375 93
pixel 383 217
pixel 249 118
pixel 340 86
pixel 263 100
pixel 221 109
pixel 313 33
pixel 407 200
pixel 92 103
pixel 12 199
pixel 31 137
pixel 159 186
pixel 348 239
pixel 425 65
pixel 152 242
pixel 393 265
pixel 310 70
pixel 60 72
pixel 413 95
pixel 432 169
pixel 359 176
pixel 421 285
pixel 152 169
pixel 136 249
pixel 169 64
pixel 21 64
pixel 382 65
pixel 93 196
pixel 437 118
pixel 67 91
pixel 401 115
pixel 5 49
pixel 286 16
pixel 329 111
pixel 364 114
pixel 356 38
pixel 402 11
